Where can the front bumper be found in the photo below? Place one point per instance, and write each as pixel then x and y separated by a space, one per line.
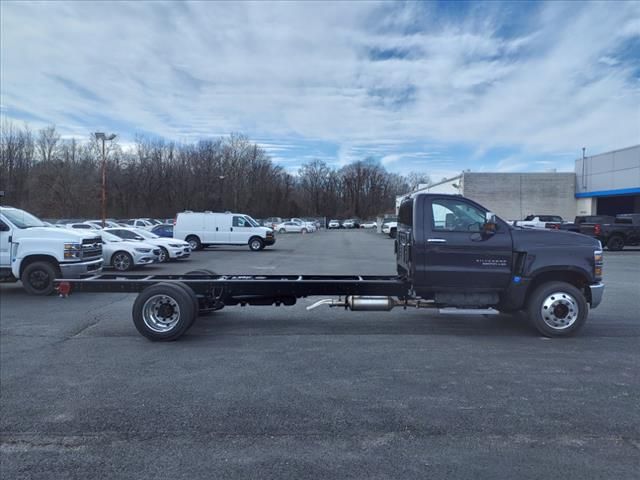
pixel 144 258
pixel 597 291
pixel 269 241
pixel 80 269
pixel 182 252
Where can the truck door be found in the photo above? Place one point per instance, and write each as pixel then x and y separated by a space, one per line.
pixel 5 245
pixel 458 254
pixel 240 230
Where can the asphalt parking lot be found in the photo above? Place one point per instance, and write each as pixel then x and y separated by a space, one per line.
pixel 265 392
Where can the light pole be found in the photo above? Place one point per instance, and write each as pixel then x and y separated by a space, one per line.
pixel 104 137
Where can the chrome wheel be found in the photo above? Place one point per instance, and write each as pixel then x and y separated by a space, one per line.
pixel 121 261
pixel 161 313
pixel 559 310
pixel 256 244
pixel 164 255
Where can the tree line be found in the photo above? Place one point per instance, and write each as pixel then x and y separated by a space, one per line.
pixel 61 178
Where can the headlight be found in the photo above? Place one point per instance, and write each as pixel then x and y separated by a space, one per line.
pixel 72 250
pixel 143 250
pixel 176 245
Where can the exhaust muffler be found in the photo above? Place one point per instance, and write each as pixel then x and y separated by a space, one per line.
pixel 360 303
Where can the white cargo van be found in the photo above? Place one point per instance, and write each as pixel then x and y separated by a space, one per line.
pixel 202 229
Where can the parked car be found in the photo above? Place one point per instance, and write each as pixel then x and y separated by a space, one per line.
pixel 291 227
pixel 125 255
pixel 580 219
pixel 81 226
pixel 351 223
pixel 624 230
pixel 98 223
pixel 170 248
pixel 145 223
pixel 309 226
pixel 540 221
pixel 202 229
pixel 390 228
pixel 271 222
pixel 165 230
pixel 334 224
pixel 36 254
pixel 369 224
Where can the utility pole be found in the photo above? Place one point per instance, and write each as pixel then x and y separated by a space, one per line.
pixel 104 137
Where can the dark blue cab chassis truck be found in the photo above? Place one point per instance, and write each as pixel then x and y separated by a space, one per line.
pixel 452 254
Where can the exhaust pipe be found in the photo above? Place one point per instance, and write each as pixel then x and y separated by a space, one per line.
pixel 360 303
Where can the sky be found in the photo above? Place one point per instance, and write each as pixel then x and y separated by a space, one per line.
pixel 428 87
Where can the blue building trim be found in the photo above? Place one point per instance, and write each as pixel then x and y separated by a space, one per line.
pixel 609 193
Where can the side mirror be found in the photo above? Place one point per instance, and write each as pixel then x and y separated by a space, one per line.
pixel 490 223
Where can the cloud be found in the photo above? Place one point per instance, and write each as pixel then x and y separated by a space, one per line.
pixel 343 81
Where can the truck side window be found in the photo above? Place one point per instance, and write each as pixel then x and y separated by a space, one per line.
pixel 3 227
pixel 239 222
pixel 456 216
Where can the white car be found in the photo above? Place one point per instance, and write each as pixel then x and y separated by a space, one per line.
pixel 81 226
pixel 371 224
pixel 291 227
pixel 310 226
pixel 540 221
pixel 334 224
pixel 350 223
pixel 390 228
pixel 124 255
pixel 170 248
pixel 98 223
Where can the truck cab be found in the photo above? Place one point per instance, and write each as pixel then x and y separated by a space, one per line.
pixel 457 253
pixel 36 254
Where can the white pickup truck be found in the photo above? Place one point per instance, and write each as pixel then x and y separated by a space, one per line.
pixel 36 254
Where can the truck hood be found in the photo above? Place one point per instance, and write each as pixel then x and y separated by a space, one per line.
pixel 528 237
pixel 65 234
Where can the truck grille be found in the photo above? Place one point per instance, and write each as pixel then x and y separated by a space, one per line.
pixel 92 247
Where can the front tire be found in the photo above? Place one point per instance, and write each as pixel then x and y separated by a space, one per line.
pixel 37 278
pixel 164 255
pixel 256 244
pixel 163 312
pixel 557 309
pixel 122 261
pixel 615 243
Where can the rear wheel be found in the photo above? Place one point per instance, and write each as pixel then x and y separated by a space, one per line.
pixel 194 242
pixel 163 312
pixel 37 278
pixel 122 261
pixel 615 243
pixel 256 244
pixel 557 309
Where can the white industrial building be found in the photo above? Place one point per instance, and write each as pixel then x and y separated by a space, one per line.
pixel 607 183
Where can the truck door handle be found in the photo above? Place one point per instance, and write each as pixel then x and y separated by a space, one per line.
pixel 436 240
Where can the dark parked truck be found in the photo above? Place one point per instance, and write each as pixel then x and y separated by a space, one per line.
pixel 452 255
pixel 623 230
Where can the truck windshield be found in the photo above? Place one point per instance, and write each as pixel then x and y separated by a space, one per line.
pixel 251 221
pixel 22 219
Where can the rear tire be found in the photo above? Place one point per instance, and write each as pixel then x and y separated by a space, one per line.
pixel 557 309
pixel 615 243
pixel 163 312
pixel 194 300
pixel 194 243
pixel 37 278
pixel 393 233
